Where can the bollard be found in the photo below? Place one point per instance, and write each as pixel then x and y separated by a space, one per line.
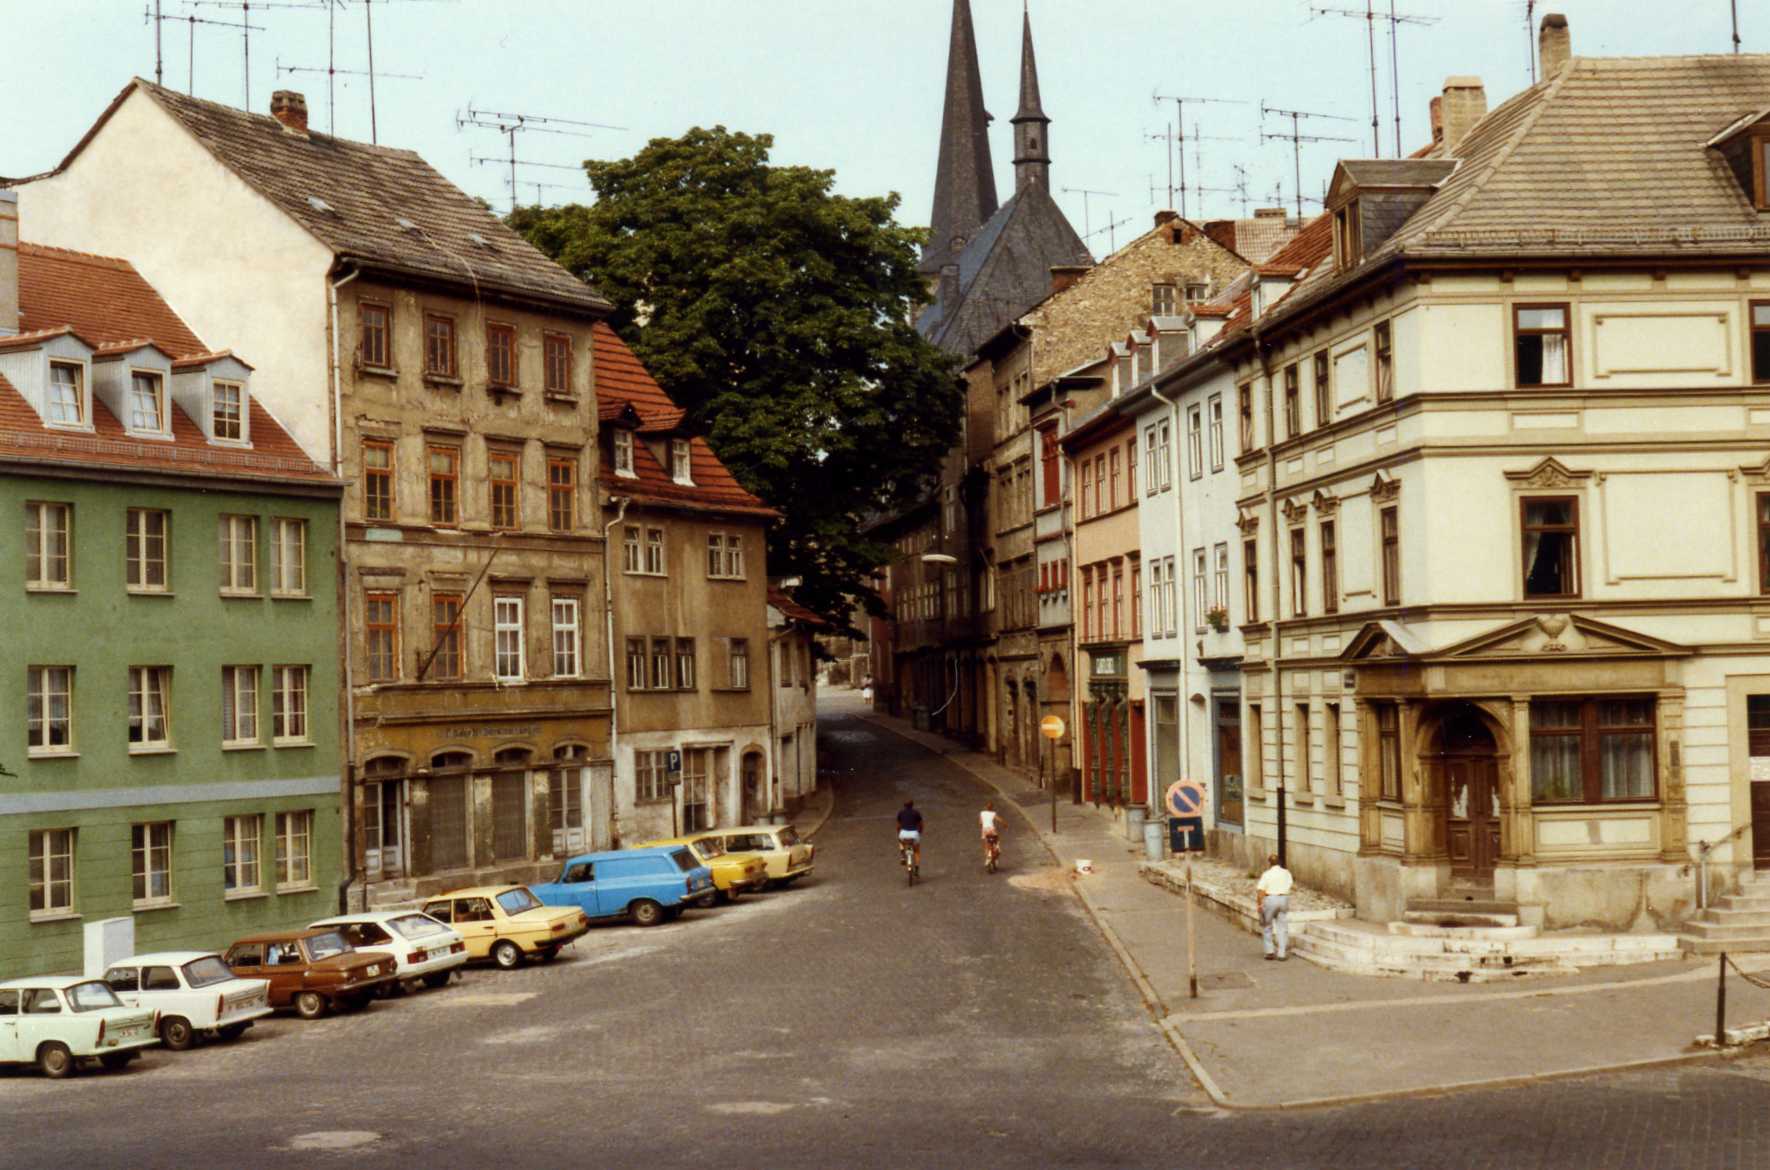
pixel 1721 1004
pixel 1155 845
pixel 1134 821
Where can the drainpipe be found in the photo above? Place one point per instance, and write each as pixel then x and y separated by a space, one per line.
pixel 1261 353
pixel 354 856
pixel 608 617
pixel 1184 698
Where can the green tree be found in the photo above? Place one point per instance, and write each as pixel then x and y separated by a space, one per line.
pixel 776 313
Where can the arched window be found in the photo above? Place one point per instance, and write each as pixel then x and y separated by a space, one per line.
pixel 451 761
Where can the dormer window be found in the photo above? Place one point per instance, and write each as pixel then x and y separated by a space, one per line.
pixel 228 412
pixel 147 402
pixel 679 464
pixel 67 398
pixel 1347 246
pixel 1745 145
pixel 624 452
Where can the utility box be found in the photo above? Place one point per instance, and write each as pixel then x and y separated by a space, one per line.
pixel 107 941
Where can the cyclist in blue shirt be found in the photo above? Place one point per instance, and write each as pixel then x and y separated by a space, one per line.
pixel 909 831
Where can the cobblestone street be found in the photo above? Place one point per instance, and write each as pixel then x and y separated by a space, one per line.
pixel 970 1021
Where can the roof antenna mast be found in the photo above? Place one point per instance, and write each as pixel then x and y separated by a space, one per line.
pixel 1370 16
pixel 1736 26
pixel 246 27
pixel 191 21
pixel 1180 129
pixel 1084 192
pixel 510 125
pixel 1297 138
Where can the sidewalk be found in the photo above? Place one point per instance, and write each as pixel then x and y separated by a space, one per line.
pixel 1285 1035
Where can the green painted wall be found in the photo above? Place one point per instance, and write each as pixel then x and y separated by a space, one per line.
pixel 101 630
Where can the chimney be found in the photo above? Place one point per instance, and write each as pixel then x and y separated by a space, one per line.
pixel 1554 45
pixel 1166 215
pixel 1269 213
pixel 8 263
pixel 1064 275
pixel 1221 232
pixel 1465 103
pixel 290 108
pixel 1436 112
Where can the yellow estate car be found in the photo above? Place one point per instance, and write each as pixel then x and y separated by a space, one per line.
pixel 506 923
pixel 786 855
pixel 731 875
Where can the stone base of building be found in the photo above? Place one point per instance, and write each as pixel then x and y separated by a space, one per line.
pixel 394 893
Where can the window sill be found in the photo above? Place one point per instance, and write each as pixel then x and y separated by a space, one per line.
pixel 40 754
pixel 291 743
pixel 306 889
pixel 153 751
pixel 497 388
pixel 737 580
pixel 561 398
pixel 1338 802
pixel 1252 793
pixel 48 916
pixel 240 595
pixel 242 747
pixel 377 371
pixel 656 800
pixel 52 590
pixel 291 597
pixel 730 690
pixel 138 591
pixel 510 682
pixel 444 381
pixel 149 907
pixel 626 473
pixel 245 895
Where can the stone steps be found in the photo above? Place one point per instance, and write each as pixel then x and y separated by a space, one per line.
pixel 1734 923
pixel 1471 954
pixel 1436 930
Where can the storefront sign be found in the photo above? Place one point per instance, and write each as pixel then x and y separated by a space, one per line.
pixel 493 731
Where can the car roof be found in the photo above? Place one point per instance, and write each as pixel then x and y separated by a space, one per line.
pixel 376 916
pixel 60 982
pixel 162 958
pixel 650 848
pixel 666 843
pixel 744 829
pixel 277 935
pixel 477 892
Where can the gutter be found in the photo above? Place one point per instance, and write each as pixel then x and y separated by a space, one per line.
pixel 1261 351
pixel 1184 696
pixel 346 626
pixel 608 616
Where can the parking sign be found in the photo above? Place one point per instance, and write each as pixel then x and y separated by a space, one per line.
pixel 673 761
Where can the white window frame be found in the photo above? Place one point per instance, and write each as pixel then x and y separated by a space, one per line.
pixel 150 849
pixel 1165 453
pixel 681 462
pixel 1220 576
pixel 237 555
pixel 51 399
pixel 150 685
pixel 623 444
pixel 42 694
pixel 568 653
pixel 38 534
pixel 131 400
pixel 725 556
pixel 45 848
pixel 507 637
pixel 217 388
pixel 1152 476
pixel 1172 587
pixel 1195 441
pixel 239 706
pixel 651 776
pixel 737 666
pixel 294 858
pixel 289 713
pixel 242 855
pixel 656 562
pixel 1215 425
pixel 288 558
pixel 137 562
pixel 1199 595
pixel 631 557
pixel 685 664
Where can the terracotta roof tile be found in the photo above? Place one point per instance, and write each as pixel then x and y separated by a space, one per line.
pixel 103 299
pixel 792 610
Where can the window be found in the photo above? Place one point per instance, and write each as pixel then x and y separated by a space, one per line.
pixel 737 661
pixel 1195 455
pixel 1118 599
pixel 375 345
pixel 654 551
pixel 1200 601
pixel 1131 470
pixel 144 550
pixel 556 349
pixel 1087 487
pixel 67 393
pixel 227 412
pixel 1255 759
pixel 147 402
pixel 1196 291
pixel 150 707
pixel 1324 403
pixel 1099 482
pixel 501 471
pixel 680 469
pixel 445 623
pixel 1244 408
pixel 239 705
pixel 1250 573
pixel 288 558
pixel 1389 750
pixel 445 475
pixel 1330 750
pixel 237 546
pixel 151 852
pixel 660 664
pixel 1216 411
pixel 377 479
pixel 507 635
pixel 1551 547
pixel 567 637
pixel 1304 774
pixel 1761 341
pixel 636 664
pixel 1541 342
pixel 295 850
pixel 49 717
pixel 1588 751
pixel 685 664
pixel 1136 599
pixel 51 871
pixel 1299 573
pixel 1391 522
pixel 1161 300
pixel 1112 491
pixel 1220 576
pixel 1050 486
pixel 653 779
pixel 288 704
pixel 1164 453
pixel 623 442
pixel 1385 363
pixel 439 346
pixel 48 555
pixel 725 555
pixel 1330 570
pixel 241 872
pixel 1087 603
pixel 1764 542
pixel 381 636
pixel 1293 409
pixel 1347 241
pixel 562 492
pixel 1150 472
pixel 501 355
pixel 1171 585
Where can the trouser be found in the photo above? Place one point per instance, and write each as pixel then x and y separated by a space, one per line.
pixel 1275 923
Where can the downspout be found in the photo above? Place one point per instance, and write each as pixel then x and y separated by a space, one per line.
pixel 1184 698
pixel 1260 352
pixel 608 617
pixel 354 855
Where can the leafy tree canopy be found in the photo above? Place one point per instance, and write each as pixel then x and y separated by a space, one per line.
pixel 777 314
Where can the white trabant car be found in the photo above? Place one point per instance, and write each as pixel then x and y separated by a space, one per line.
pixel 426 950
pixel 194 993
pixel 57 1021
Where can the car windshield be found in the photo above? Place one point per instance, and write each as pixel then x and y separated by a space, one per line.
pixel 92 995
pixel 685 860
pixel 324 946
pixel 206 971
pixel 517 900
pixel 417 926
pixel 710 847
pixel 789 837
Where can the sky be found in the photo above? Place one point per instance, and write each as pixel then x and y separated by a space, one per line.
pixel 854 86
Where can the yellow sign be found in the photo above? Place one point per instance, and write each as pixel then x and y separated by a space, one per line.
pixel 1051 727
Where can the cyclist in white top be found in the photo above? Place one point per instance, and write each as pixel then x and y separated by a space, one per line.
pixel 990 822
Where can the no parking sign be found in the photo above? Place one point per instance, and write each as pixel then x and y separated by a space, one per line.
pixel 1186 799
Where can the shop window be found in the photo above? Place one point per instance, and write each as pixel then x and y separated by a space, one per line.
pixel 1590 751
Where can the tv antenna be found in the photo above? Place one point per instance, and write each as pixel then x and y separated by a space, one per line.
pixel 511 124
pixel 1111 230
pixel 331 71
pixel 1180 124
pixel 246 27
pixel 191 21
pixel 1297 138
pixel 1736 26
pixel 1085 192
pixel 493 160
pixel 1370 16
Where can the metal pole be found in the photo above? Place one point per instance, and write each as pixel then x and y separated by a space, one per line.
pixel 369 18
pixel 1370 32
pixel 159 60
pixel 1191 937
pixel 1395 79
pixel 1735 25
pixel 1047 753
pixel 190 84
pixel 1180 129
pixel 246 48
pixel 1297 164
pixel 1721 1004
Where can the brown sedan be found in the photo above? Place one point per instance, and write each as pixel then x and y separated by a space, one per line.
pixel 313 970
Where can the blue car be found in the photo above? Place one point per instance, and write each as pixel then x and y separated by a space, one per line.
pixel 643 885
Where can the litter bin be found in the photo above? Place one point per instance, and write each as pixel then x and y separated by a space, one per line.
pixel 1135 816
pixel 1154 849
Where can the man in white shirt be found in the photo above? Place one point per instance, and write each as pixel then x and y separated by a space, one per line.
pixel 1273 899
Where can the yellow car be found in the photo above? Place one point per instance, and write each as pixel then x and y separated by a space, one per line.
pixel 785 854
pixel 731 875
pixel 506 923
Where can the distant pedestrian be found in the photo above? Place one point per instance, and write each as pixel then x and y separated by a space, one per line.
pixel 1272 897
pixel 866 690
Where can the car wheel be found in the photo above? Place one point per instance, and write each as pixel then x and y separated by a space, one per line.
pixel 176 1033
pixel 547 954
pixel 507 954
pixel 783 883
pixel 233 1031
pixel 646 912
pixel 310 1005
pixel 355 1003
pixel 727 897
pixel 117 1061
pixel 55 1060
pixel 437 979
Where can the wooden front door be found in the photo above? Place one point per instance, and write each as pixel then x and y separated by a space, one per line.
pixel 1761 825
pixel 1472 814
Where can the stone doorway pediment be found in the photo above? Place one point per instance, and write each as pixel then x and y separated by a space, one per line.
pixel 1569 634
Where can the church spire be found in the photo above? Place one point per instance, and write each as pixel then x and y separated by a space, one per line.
pixel 1032 146
pixel 964 179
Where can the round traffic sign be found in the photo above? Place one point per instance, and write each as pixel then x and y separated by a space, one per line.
pixel 1051 727
pixel 1186 798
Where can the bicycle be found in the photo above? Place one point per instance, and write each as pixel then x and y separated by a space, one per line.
pixel 907 858
pixel 992 851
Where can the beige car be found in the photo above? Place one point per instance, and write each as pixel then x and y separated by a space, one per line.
pixel 786 856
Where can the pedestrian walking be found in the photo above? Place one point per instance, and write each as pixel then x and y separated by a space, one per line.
pixel 866 691
pixel 1272 897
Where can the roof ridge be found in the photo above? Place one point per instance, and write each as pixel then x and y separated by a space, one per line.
pixel 158 91
pixel 76 255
